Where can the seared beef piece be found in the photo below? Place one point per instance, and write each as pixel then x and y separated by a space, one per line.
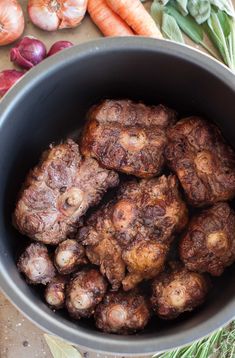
pixel 122 312
pixel 209 244
pixel 36 265
pixel 178 290
pixel 58 192
pixel 107 254
pixel 204 163
pixel 145 213
pixel 68 256
pixel 129 137
pixel 84 292
pixel 55 292
pixel 151 207
pixel 145 258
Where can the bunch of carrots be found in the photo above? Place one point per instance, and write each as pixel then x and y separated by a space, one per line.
pixel 122 18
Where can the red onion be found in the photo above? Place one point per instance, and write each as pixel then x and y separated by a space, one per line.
pixel 28 52
pixel 59 46
pixel 7 79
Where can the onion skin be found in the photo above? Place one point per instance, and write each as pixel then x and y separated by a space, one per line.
pixel 7 79
pixel 11 21
pixel 51 15
pixel 28 52
pixel 59 46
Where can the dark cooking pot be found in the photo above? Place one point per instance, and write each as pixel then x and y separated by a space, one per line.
pixel 50 103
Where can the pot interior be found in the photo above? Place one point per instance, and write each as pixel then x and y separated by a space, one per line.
pixel 51 104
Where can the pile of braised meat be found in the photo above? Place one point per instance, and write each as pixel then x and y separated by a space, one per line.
pixel 96 264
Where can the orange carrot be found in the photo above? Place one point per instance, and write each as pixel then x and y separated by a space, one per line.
pixel 109 23
pixel 135 15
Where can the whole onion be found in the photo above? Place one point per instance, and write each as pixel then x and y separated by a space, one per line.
pixel 28 52
pixel 7 79
pixel 59 46
pixel 11 21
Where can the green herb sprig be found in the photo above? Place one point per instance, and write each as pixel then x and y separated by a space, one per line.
pixel 220 344
pixel 197 18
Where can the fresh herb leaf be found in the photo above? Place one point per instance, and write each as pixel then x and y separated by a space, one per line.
pixel 231 44
pixel 200 10
pixel 218 30
pixel 157 12
pixel 224 5
pixel 61 349
pixel 182 6
pixel 186 23
pixel 225 22
pixel 215 39
pixel 171 29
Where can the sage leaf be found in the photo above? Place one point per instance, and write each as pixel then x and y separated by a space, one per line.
pixel 182 6
pixel 231 42
pixel 224 5
pixel 200 10
pixel 225 22
pixel 61 349
pixel 186 23
pixel 215 39
pixel 171 29
pixel 217 35
pixel 157 12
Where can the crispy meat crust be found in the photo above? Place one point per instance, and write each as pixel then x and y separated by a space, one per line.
pixel 35 263
pixel 178 290
pixel 209 243
pixel 203 162
pixel 135 230
pixel 128 137
pixel 84 292
pixel 122 313
pixel 58 192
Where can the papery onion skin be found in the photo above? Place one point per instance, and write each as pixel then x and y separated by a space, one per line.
pixel 28 52
pixel 7 79
pixel 51 15
pixel 11 21
pixel 59 46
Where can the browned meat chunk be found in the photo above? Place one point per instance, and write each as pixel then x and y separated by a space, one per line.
pixel 58 192
pixel 107 254
pixel 151 207
pixel 68 256
pixel 129 137
pixel 209 244
pixel 204 163
pixel 135 230
pixel 36 265
pixel 55 292
pixel 122 313
pixel 178 290
pixel 145 259
pixel 84 292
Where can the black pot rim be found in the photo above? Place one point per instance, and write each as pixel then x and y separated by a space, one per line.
pixel 123 345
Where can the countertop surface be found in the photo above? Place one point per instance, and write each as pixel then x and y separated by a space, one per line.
pixel 19 338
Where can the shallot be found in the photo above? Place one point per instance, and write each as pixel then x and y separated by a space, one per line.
pixel 7 79
pixel 11 21
pixel 28 52
pixel 59 46
pixel 51 15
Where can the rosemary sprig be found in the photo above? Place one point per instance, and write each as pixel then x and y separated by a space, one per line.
pixel 221 344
